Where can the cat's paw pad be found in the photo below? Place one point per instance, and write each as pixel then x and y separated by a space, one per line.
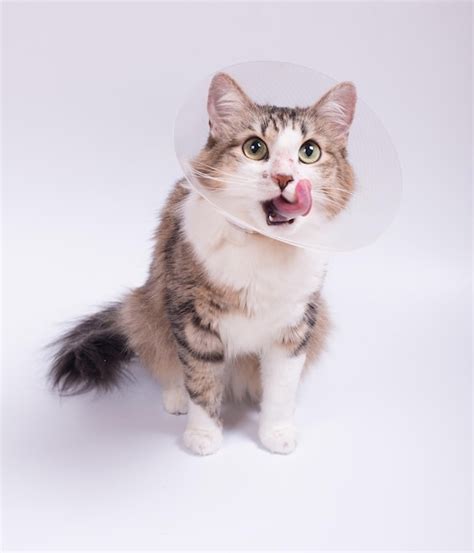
pixel 279 439
pixel 175 401
pixel 203 441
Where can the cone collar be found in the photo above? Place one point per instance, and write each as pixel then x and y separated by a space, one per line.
pixel 321 174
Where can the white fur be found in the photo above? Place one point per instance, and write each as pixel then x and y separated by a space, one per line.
pixel 203 435
pixel 280 378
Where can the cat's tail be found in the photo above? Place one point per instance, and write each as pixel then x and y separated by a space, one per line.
pixel 91 355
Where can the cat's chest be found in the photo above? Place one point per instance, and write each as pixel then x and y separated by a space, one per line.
pixel 272 281
pixel 273 290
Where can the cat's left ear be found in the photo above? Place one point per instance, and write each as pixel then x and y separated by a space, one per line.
pixel 226 104
pixel 336 110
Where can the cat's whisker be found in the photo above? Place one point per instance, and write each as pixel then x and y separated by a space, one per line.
pixel 228 190
pixel 349 192
pixel 218 172
pixel 328 199
pixel 222 176
pixel 230 186
pixel 229 180
pixel 233 184
pixel 235 190
pixel 328 202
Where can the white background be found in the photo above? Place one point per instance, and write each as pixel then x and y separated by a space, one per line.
pixel 90 92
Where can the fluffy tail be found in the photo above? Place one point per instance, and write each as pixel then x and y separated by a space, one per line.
pixel 91 355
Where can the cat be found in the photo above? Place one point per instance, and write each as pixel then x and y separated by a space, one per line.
pixel 226 312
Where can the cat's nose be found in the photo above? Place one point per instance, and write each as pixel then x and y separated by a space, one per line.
pixel 282 180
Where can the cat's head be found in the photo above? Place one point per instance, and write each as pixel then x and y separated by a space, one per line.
pixel 282 169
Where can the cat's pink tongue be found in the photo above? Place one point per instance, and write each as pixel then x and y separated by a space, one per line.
pixel 300 206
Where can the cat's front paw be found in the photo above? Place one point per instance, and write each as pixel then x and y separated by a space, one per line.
pixel 175 400
pixel 203 441
pixel 278 439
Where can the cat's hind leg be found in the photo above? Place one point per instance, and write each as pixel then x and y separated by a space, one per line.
pixel 174 395
pixel 144 321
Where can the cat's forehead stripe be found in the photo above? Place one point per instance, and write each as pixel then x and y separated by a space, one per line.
pixel 279 118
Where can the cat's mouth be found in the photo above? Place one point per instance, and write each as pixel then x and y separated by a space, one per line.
pixel 273 216
pixel 280 211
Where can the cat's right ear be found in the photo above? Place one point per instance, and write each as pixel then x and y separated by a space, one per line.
pixel 225 105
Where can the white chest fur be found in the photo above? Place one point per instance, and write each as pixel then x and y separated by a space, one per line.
pixel 274 280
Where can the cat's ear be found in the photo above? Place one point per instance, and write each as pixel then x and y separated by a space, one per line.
pixel 226 104
pixel 336 110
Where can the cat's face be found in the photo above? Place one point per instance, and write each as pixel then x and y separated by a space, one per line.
pixel 284 170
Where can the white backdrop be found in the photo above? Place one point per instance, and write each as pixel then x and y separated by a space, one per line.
pixel 384 461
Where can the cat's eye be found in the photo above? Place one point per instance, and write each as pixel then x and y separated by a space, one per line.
pixel 255 148
pixel 309 152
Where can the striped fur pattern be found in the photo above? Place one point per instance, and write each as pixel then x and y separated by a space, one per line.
pixel 224 312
